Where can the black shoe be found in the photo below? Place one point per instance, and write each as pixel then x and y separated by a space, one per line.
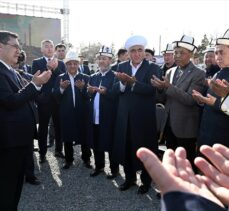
pixel 59 155
pixel 126 185
pixel 67 165
pixel 87 164
pixel 42 159
pixel 143 189
pixel 96 172
pixel 112 175
pixel 33 181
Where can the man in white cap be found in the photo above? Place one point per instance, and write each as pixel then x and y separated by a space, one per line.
pixel 168 59
pixel 209 60
pixel 182 111
pixel 136 118
pixel 215 123
pixel 103 107
pixel 71 93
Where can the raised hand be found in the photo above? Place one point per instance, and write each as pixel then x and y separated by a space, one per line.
pixel 64 84
pixel 52 64
pixel 80 84
pixel 220 87
pixel 175 173
pixel 125 79
pixel 161 84
pixel 216 173
pixel 199 98
pixel 41 78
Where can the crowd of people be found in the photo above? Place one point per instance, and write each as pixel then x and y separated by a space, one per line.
pixel 114 110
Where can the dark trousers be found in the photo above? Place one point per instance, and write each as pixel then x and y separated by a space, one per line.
pixel 129 168
pixel 189 144
pixel 99 155
pixel 85 153
pixel 12 162
pixel 69 151
pixel 29 167
pixel 45 111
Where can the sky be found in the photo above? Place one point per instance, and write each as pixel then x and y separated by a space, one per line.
pixel 113 21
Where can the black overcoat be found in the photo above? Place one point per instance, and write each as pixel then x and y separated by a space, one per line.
pixel 136 113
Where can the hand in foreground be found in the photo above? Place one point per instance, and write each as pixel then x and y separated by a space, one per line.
pixel 64 84
pixel 199 98
pixel 161 84
pixel 41 78
pixel 175 173
pixel 80 84
pixel 125 79
pixel 216 175
pixel 220 87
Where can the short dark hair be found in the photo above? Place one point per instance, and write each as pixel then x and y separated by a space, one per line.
pixel 6 35
pixel 121 51
pixel 60 45
pixel 149 51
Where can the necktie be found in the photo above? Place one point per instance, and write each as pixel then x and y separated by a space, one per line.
pixel 82 69
pixel 177 75
pixel 15 77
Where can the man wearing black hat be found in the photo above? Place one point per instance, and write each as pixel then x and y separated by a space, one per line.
pixel 182 111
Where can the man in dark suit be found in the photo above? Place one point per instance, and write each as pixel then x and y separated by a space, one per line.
pixel 47 106
pixel 71 92
pixel 122 57
pixel 181 188
pixel 17 114
pixel 103 112
pixel 136 116
pixel 82 67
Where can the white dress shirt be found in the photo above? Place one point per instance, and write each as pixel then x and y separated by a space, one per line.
pixel 96 103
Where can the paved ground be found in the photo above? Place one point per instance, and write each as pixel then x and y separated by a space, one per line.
pixel 75 190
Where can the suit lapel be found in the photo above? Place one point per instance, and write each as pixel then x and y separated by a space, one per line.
pixel 186 73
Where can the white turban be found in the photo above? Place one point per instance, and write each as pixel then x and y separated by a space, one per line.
pixel 135 40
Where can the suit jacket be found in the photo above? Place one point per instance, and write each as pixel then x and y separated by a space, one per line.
pixel 182 109
pixel 73 120
pixel 214 125
pixel 86 70
pixel 181 201
pixel 46 92
pixel 17 120
pixel 136 113
pixel 107 110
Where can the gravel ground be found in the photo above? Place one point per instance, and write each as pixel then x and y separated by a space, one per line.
pixel 74 189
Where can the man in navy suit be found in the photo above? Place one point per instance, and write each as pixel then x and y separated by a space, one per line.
pixel 103 110
pixel 136 115
pixel 17 120
pixel 47 106
pixel 82 67
pixel 71 93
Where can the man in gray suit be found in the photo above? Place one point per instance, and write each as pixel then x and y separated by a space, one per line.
pixel 182 111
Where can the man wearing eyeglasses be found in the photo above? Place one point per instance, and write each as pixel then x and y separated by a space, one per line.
pixel 16 111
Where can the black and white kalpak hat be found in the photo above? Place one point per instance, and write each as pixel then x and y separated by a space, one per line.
pixel 185 42
pixel 168 49
pixel 105 51
pixel 223 40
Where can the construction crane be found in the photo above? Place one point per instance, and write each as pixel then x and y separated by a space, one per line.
pixel 40 11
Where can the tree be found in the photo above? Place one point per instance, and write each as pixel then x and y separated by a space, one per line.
pixel 201 48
